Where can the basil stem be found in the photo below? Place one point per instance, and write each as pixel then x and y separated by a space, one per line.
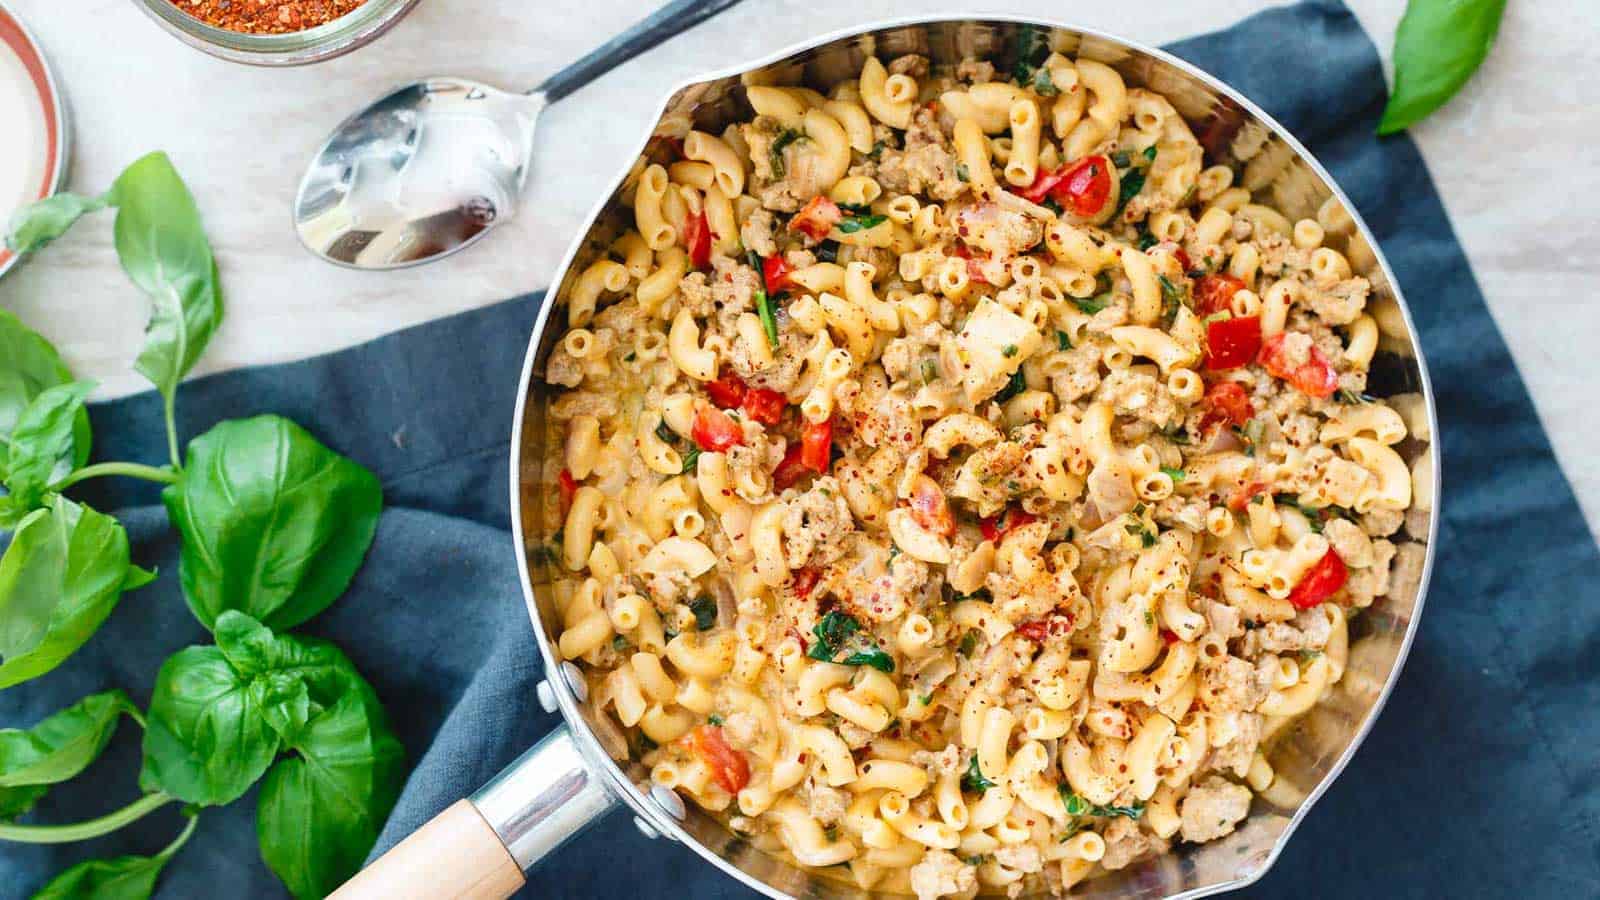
pixel 83 831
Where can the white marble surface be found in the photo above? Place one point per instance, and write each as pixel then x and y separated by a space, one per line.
pixel 1512 157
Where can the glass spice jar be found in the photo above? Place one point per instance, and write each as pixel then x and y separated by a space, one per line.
pixel 355 29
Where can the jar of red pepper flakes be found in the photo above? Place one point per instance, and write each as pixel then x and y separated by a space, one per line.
pixel 276 32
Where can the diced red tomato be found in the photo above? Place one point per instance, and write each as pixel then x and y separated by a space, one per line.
pixel 1214 293
pixel 697 240
pixel 715 430
pixel 1170 636
pixel 1231 343
pixel 1226 401
pixel 775 272
pixel 1320 582
pixel 1044 181
pixel 817 218
pixel 929 508
pixel 764 406
pixel 996 528
pixel 791 469
pixel 1083 188
pixel 727 391
pixel 1086 187
pixel 1242 497
pixel 816 445
pixel 1183 259
pixel 803 580
pixel 569 489
pixel 974 266
pixel 1038 630
pixel 728 766
pixel 1314 376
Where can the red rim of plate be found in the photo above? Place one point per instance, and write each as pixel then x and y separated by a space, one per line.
pixel 18 41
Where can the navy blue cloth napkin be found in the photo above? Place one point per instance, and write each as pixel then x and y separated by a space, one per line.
pixel 1479 780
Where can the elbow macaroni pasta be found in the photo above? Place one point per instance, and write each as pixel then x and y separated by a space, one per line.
pixel 940 557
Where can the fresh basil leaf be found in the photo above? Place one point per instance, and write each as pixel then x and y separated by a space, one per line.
pixel 274 524
pixel 62 745
pixel 284 700
pixel 14 801
pixel 205 740
pixel 321 810
pixel 43 221
pixel 122 878
pixel 1175 474
pixel 29 366
pixel 62 575
pixel 1063 340
pixel 1043 84
pixel 830 633
pixel 41 443
pixel 969 642
pixel 164 250
pixel 1091 305
pixel 1132 184
pixel 691 460
pixel 1437 47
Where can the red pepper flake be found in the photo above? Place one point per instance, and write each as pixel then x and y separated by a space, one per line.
pixel 267 16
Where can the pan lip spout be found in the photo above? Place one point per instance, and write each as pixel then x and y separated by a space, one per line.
pixel 669 823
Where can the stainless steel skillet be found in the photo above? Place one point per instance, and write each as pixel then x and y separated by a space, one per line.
pixel 480 847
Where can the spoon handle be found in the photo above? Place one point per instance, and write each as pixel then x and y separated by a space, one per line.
pixel 667 22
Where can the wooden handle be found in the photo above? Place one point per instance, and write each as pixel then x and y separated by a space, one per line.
pixel 456 856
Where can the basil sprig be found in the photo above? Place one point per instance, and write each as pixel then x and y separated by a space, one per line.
pixel 274 526
pixel 1437 47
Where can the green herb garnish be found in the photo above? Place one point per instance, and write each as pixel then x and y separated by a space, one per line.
pixel 969 642
pixel 973 780
pixel 1015 386
pixel 1043 84
pixel 705 612
pixel 691 460
pixel 714 719
pixel 876 153
pixel 1175 474
pixel 787 137
pixel 962 174
pixel 1092 305
pixel 1008 351
pixel 1354 398
pixel 859 223
pixel 874 658
pixel 1063 341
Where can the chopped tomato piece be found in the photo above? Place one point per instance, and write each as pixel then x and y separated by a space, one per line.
pixel 1043 183
pixel 996 528
pixel 1037 630
pixel 816 445
pixel 715 430
pixel 974 266
pixel 727 391
pixel 728 766
pixel 697 240
pixel 803 580
pixel 817 218
pixel 1183 259
pixel 791 469
pixel 1242 497
pixel 1320 582
pixel 569 489
pixel 929 508
pixel 1170 636
pixel 1226 401
pixel 764 406
pixel 1231 343
pixel 1086 187
pixel 1214 293
pixel 775 272
pixel 1313 375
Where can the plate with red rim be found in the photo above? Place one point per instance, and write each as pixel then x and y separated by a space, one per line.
pixel 33 124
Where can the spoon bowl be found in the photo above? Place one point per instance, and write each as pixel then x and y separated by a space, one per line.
pixel 436 164
pixel 421 173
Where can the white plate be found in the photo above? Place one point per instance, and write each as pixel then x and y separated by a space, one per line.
pixel 33 125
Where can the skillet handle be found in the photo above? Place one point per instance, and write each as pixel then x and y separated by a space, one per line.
pixel 479 848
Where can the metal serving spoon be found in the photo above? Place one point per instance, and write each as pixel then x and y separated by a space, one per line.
pixel 433 166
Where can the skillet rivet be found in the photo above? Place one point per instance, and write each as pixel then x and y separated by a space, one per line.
pixel 547 696
pixel 575 681
pixel 668 801
pixel 645 828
